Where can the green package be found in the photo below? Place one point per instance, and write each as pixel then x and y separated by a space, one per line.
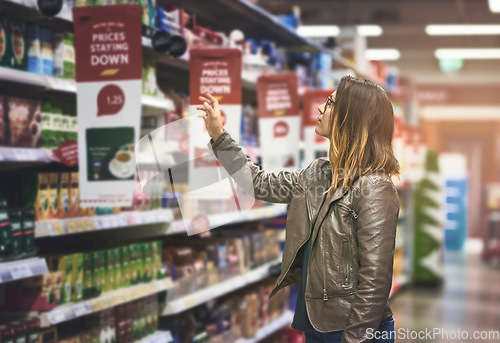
pixel 69 55
pixel 4 42
pixel 118 268
pixel 18 48
pixel 133 264
pixel 77 277
pixel 67 293
pixel 109 153
pixel 109 284
pixel 88 276
pixel 125 259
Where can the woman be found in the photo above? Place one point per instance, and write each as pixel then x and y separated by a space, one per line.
pixel 341 224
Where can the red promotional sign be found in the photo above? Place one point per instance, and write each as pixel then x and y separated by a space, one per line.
pixel 312 99
pixel 105 42
pixel 110 100
pixel 277 95
pixel 67 153
pixel 215 71
pixel 281 129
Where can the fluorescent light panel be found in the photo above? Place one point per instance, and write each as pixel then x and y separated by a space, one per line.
pixel 448 30
pixel 494 5
pixel 318 30
pixel 471 54
pixel 382 54
pixel 333 31
pixel 370 30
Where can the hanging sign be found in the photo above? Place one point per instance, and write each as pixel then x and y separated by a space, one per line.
pixel 315 146
pixel 108 52
pixel 279 121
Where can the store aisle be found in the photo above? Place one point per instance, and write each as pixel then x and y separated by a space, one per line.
pixel 468 300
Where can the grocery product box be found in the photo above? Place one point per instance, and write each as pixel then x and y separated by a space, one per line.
pixel 23 122
pixel 32 294
pixel 77 277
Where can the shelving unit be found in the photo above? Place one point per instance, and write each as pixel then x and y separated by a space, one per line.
pixel 107 300
pixel 232 284
pixel 270 328
pixel 237 14
pixel 60 227
pixel 22 269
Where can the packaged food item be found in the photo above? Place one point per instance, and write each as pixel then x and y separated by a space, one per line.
pixel 69 56
pixel 63 198
pixel 58 49
pixel 33 329
pixel 15 217
pixel 88 276
pixel 2 119
pixel 97 273
pixel 33 41
pixel 64 265
pixel 18 58
pixel 149 85
pixel 24 122
pixel 7 333
pixel 5 231
pixel 4 42
pixel 109 283
pixel 77 277
pixel 53 195
pixel 28 228
pixel 74 196
pixel 42 198
pixel 47 42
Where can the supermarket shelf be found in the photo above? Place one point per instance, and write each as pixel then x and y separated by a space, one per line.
pixel 216 220
pixel 108 300
pixel 254 21
pixel 158 337
pixel 22 269
pixel 202 296
pixel 70 226
pixel 267 330
pixel 69 86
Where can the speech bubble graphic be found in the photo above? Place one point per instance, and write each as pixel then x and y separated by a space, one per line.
pixel 280 129
pixel 201 205
pixel 110 100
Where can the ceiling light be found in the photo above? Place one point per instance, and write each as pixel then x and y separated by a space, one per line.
pixel 382 54
pixel 468 53
pixel 494 5
pixel 369 30
pixel 445 30
pixel 318 30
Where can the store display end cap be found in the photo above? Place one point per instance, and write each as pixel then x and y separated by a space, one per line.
pixel 50 8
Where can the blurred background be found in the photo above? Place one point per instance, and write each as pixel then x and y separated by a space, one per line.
pixel 72 273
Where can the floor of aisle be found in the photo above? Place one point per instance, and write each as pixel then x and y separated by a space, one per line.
pixel 468 300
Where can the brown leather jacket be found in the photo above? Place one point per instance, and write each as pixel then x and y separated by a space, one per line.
pixel 353 238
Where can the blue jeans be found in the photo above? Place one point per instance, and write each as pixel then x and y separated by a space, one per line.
pixel 385 329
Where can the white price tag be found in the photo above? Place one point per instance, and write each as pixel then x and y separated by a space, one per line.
pixel 115 221
pixel 161 286
pixel 149 218
pixel 123 220
pixel 24 155
pixel 20 271
pixel 81 309
pixel 106 222
pixel 138 218
pixel 56 317
pixel 97 223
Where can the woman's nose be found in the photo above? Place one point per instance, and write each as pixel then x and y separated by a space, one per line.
pixel 320 108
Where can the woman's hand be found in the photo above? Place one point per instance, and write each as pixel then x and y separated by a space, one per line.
pixel 212 116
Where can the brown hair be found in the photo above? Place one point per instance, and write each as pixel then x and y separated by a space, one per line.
pixel 361 131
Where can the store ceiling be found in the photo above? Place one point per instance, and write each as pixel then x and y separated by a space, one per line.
pixel 403 22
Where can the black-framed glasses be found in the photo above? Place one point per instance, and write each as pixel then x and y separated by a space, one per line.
pixel 329 102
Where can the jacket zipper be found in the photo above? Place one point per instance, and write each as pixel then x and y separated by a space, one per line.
pixel 304 191
pixel 350 210
pixel 325 294
pixel 346 263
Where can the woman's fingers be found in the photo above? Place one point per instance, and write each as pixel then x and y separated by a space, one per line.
pixel 214 101
pixel 203 99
